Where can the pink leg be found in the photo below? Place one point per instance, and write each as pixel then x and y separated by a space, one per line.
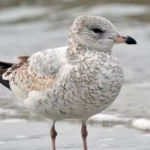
pixel 84 134
pixel 53 134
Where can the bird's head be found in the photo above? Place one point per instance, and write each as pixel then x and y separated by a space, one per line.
pixel 96 33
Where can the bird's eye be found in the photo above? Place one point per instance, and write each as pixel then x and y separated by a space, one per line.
pixel 97 30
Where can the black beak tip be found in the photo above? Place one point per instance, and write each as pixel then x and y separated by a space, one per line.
pixel 130 40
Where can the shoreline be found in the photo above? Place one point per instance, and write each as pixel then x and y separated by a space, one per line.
pixel 35 136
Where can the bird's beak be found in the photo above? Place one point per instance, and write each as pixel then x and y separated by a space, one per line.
pixel 124 39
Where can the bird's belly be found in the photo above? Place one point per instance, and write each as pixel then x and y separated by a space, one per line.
pixel 81 98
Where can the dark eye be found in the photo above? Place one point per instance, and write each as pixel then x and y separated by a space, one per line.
pixel 97 30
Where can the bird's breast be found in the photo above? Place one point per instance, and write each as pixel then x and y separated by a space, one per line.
pixel 89 87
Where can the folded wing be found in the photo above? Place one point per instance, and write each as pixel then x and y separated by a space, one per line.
pixel 37 72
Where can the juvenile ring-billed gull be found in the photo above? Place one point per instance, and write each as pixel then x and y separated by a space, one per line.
pixel 77 81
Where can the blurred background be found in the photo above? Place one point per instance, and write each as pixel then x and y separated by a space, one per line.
pixel 27 26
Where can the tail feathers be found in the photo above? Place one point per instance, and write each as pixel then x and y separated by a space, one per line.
pixel 3 68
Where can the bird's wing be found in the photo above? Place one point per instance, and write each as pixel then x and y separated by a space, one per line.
pixel 47 62
pixel 38 71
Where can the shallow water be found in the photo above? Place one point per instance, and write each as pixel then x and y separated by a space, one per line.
pixel 27 27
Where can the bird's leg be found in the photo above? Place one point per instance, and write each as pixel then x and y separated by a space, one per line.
pixel 53 135
pixel 84 134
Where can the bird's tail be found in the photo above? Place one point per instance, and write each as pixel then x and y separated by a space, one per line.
pixel 4 66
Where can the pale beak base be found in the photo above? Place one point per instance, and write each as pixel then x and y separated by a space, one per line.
pixel 125 39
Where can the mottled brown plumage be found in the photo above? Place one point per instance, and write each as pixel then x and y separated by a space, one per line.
pixel 12 67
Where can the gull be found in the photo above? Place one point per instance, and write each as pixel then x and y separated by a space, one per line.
pixel 72 82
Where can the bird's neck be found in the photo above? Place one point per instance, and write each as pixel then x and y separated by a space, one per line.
pixel 77 50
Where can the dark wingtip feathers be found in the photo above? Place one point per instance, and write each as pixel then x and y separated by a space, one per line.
pixel 3 67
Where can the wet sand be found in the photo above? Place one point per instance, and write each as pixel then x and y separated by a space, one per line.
pixel 35 136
